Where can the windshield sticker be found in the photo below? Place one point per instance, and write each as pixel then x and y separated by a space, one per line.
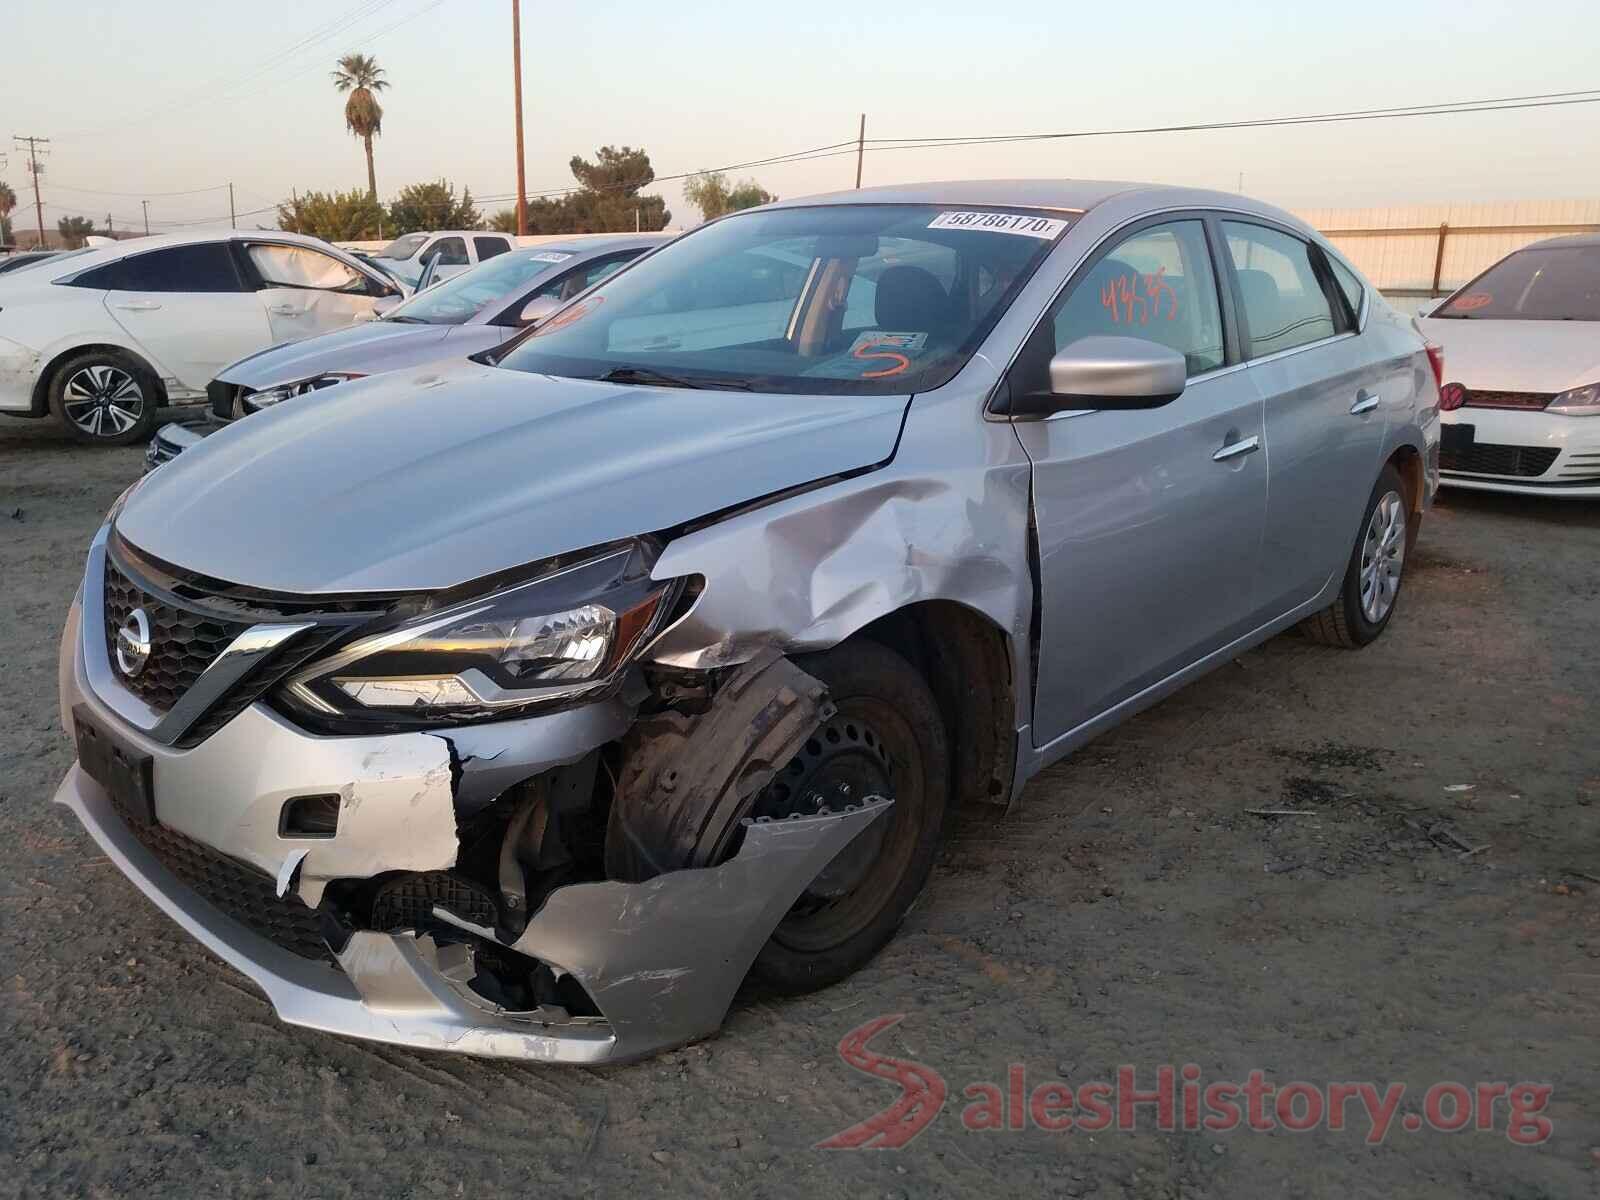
pixel 550 256
pixel 1046 228
pixel 1471 302
pixel 1128 296
pixel 910 343
pixel 569 316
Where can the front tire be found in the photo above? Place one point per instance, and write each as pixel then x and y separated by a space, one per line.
pixel 1375 572
pixel 887 737
pixel 105 398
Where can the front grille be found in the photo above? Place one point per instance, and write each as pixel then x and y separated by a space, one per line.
pixel 1486 458
pixel 1527 401
pixel 242 893
pixel 183 642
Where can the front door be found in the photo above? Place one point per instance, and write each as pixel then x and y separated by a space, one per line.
pixel 1148 522
pixel 306 292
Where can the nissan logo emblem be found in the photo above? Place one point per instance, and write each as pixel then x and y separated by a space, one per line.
pixel 133 643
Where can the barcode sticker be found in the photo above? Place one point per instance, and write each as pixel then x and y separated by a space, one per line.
pixel 994 222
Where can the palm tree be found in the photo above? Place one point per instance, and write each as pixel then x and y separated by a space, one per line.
pixel 361 76
pixel 8 202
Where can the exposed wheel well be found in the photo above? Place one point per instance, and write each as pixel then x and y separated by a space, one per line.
pixel 1408 463
pixel 41 388
pixel 967 663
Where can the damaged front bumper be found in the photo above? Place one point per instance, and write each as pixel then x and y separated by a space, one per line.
pixel 660 960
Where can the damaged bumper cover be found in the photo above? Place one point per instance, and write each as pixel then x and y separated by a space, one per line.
pixel 660 959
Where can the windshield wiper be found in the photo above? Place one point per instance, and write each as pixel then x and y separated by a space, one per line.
pixel 404 319
pixel 652 378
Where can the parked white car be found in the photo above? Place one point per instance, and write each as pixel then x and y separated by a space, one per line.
pixel 450 250
pixel 1521 401
pixel 103 337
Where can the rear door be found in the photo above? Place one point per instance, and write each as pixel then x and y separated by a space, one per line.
pixel 1323 392
pixel 187 307
pixel 1148 522
pixel 304 292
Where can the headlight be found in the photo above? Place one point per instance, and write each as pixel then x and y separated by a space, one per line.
pixel 564 635
pixel 267 397
pixel 1577 402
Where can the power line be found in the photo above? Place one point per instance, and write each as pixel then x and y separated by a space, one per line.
pixel 216 187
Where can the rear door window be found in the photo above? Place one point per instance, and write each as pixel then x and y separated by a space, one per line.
pixel 488 247
pixel 1284 303
pixel 203 267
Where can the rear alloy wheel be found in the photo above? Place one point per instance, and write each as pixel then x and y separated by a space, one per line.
pixel 886 739
pixel 104 399
pixel 1373 576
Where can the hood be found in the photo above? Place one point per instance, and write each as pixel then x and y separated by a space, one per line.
pixel 369 347
pixel 1516 356
pixel 426 478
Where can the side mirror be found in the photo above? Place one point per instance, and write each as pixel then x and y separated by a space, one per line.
pixel 538 309
pixel 1097 373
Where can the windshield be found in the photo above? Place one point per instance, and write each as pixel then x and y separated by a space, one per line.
pixel 865 299
pixel 1556 283
pixel 463 296
pixel 403 248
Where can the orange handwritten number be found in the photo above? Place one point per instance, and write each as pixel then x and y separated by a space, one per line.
pixel 902 362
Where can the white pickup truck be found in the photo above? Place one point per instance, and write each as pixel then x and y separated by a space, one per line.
pixel 454 249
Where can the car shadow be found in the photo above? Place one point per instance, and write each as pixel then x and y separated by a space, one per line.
pixel 1574 511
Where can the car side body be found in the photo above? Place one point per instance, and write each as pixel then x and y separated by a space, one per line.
pixel 1163 425
pixel 149 321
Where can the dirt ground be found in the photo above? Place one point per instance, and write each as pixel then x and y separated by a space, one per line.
pixel 1131 912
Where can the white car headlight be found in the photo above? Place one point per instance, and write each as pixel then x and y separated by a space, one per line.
pixel 1577 402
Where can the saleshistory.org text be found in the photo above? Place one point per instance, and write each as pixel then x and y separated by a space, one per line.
pixel 1173 1099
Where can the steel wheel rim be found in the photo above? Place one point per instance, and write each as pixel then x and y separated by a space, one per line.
pixel 1383 556
pixel 103 400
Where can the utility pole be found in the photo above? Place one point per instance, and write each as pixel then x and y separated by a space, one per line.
pixel 516 68
pixel 861 147
pixel 111 230
pixel 33 144
pixel 232 219
pixel 146 204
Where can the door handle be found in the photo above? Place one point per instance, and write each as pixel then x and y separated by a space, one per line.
pixel 138 306
pixel 285 310
pixel 1234 449
pixel 1365 402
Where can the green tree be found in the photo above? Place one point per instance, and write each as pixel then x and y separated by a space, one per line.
pixel 433 206
pixel 8 204
pixel 334 216
pixel 73 230
pixel 362 77
pixel 504 221
pixel 709 192
pixel 608 199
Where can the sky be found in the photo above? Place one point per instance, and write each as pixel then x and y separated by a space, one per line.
pixel 168 96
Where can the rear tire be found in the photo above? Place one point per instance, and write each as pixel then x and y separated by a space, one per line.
pixel 887 736
pixel 1372 580
pixel 105 398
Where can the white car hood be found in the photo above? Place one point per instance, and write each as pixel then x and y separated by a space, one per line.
pixel 1517 356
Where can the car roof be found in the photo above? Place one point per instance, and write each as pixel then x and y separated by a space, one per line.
pixel 97 255
pixel 1567 242
pixel 1075 196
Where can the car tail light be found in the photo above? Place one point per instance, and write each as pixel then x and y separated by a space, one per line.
pixel 1436 360
pixel 1451 396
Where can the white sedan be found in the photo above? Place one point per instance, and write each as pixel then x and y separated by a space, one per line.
pixel 103 337
pixel 1522 363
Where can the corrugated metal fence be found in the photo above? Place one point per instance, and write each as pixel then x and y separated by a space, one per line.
pixel 1412 253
